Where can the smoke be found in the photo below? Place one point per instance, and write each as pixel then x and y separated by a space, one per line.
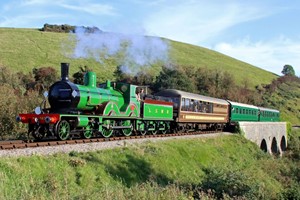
pixel 134 51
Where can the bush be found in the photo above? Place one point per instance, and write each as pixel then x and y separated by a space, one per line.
pixel 9 107
pixel 65 28
pixel 294 145
pixel 288 128
pixel 291 193
pixel 58 28
pixel 229 182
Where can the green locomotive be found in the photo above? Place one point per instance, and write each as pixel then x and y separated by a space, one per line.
pixel 88 110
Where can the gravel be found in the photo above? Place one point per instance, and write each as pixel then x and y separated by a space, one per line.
pixel 50 150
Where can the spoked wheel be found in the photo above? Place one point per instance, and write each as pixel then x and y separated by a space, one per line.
pixel 180 129
pixel 164 126
pixel 107 131
pixel 153 128
pixel 142 128
pixel 153 132
pixel 127 131
pixel 63 130
pixel 143 132
pixel 39 133
pixel 87 132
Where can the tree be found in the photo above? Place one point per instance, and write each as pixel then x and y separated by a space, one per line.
pixel 44 78
pixel 174 79
pixel 79 76
pixel 288 70
pixel 121 74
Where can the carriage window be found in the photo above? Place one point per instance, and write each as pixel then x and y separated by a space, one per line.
pixel 201 106
pixel 183 104
pixel 204 107
pixel 237 110
pixel 187 104
pixel 196 106
pixel 192 105
pixel 210 107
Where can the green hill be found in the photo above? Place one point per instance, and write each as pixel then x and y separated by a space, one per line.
pixel 23 49
pixel 284 94
pixel 185 54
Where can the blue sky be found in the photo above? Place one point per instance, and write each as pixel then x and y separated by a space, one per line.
pixel 263 33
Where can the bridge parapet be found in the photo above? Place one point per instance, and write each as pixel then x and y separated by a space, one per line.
pixel 271 137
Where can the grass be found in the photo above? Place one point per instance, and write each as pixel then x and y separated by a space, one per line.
pixel 161 170
pixel 24 49
pixel 190 55
pixel 286 97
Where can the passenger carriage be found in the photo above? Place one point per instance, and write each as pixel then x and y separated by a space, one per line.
pixel 193 111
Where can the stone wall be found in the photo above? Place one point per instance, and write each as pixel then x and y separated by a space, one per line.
pixel 271 137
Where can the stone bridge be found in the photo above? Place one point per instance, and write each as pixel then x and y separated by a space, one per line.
pixel 271 137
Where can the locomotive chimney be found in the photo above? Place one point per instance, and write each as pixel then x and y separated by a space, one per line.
pixel 64 71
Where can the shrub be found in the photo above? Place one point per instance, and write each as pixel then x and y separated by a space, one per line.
pixel 288 128
pixel 294 145
pixel 9 106
pixel 291 193
pixel 229 182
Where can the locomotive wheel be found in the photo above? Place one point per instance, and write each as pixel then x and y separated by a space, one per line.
pixel 107 131
pixel 142 129
pixel 165 128
pixel 152 126
pixel 127 131
pixel 142 132
pixel 39 133
pixel 63 130
pixel 153 132
pixel 87 132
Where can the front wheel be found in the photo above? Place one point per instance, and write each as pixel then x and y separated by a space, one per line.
pixel 63 130
pixel 38 132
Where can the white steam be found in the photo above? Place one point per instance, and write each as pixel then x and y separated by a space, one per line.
pixel 131 50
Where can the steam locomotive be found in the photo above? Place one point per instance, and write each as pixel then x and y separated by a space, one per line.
pixel 112 108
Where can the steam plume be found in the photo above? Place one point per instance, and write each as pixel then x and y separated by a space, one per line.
pixel 133 50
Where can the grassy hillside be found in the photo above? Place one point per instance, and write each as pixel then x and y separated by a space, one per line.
pixel 176 169
pixel 23 49
pixel 284 94
pixel 185 54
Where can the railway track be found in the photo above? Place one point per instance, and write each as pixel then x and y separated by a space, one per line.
pixel 19 144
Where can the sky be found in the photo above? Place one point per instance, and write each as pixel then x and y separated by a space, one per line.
pixel 264 33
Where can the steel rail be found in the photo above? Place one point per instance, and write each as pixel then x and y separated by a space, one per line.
pixel 20 144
